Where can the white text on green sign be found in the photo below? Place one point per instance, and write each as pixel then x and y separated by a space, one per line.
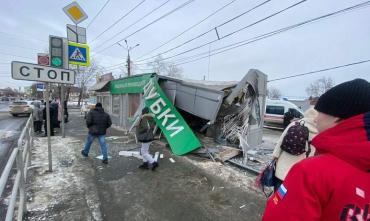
pixel 161 111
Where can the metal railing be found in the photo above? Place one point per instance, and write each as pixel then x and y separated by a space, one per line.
pixel 22 156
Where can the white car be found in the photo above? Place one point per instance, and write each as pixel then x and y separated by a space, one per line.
pixel 275 110
pixel 21 107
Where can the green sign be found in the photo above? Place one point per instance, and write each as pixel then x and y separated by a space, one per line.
pixel 180 137
pixel 129 85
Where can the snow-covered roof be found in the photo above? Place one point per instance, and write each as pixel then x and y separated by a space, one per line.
pixel 98 86
pixel 213 85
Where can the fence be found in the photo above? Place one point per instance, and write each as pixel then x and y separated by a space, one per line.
pixel 22 156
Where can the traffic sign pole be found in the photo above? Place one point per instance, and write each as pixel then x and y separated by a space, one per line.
pixel 78 69
pixel 48 127
pixel 62 97
pixel 62 104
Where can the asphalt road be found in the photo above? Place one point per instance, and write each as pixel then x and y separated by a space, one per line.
pixel 10 128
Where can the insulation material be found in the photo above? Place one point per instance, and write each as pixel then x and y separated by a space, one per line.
pixel 229 112
pixel 236 122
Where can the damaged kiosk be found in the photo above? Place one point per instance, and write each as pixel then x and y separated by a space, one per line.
pixel 230 113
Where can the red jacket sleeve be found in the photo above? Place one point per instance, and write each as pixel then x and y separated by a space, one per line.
pixel 297 199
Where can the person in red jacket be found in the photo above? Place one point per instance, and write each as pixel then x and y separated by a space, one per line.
pixel 334 184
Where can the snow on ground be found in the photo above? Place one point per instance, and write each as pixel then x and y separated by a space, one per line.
pixel 64 186
pixel 231 175
pixel 6 134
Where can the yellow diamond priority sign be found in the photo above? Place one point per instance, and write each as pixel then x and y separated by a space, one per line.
pixel 75 12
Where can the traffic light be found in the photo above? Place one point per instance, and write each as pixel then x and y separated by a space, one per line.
pixel 56 51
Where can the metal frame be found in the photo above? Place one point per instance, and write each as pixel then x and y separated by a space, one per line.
pixel 22 156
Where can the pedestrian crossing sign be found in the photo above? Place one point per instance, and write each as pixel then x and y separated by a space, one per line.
pixel 78 54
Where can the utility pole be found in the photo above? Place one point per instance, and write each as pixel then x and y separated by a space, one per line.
pixel 128 49
pixel 128 64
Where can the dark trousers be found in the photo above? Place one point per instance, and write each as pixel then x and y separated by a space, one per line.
pixel 37 125
pixel 51 129
pixel 65 116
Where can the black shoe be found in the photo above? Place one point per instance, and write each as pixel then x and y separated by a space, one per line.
pixel 144 166
pixel 105 161
pixel 154 165
pixel 84 154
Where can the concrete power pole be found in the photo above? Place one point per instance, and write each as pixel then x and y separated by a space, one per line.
pixel 128 64
pixel 128 56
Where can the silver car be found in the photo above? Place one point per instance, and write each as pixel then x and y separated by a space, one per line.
pixel 21 108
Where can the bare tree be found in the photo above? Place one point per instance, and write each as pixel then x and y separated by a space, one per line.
pixel 122 71
pixel 273 93
pixel 320 86
pixel 9 92
pixel 158 65
pixel 174 71
pixel 165 68
pixel 85 76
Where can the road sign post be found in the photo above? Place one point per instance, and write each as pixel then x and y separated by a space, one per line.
pixel 56 51
pixel 75 12
pixel 48 127
pixel 76 34
pixel 34 72
pixel 78 54
pixel 43 59
pixel 63 108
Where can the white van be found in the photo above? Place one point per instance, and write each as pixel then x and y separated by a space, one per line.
pixel 275 110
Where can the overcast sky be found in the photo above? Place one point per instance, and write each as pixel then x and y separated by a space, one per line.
pixel 345 38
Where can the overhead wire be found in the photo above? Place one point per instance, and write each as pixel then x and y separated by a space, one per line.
pixel 321 70
pixel 272 33
pixel 134 23
pixel 92 20
pixel 232 19
pixel 241 29
pixel 147 25
pixel 269 34
pixel 190 28
pixel 120 19
pixel 210 30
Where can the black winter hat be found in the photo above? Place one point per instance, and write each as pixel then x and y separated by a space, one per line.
pixel 346 99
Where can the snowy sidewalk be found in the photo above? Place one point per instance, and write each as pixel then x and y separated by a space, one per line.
pixel 79 188
pixel 67 193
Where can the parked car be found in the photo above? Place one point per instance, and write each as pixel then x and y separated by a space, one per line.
pixel 5 99
pixel 21 107
pixel 275 110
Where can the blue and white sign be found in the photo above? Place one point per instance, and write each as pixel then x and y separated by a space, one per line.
pixel 78 54
pixel 40 87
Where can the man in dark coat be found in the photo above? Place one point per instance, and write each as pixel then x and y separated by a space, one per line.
pixel 52 113
pixel 65 112
pixel 98 122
